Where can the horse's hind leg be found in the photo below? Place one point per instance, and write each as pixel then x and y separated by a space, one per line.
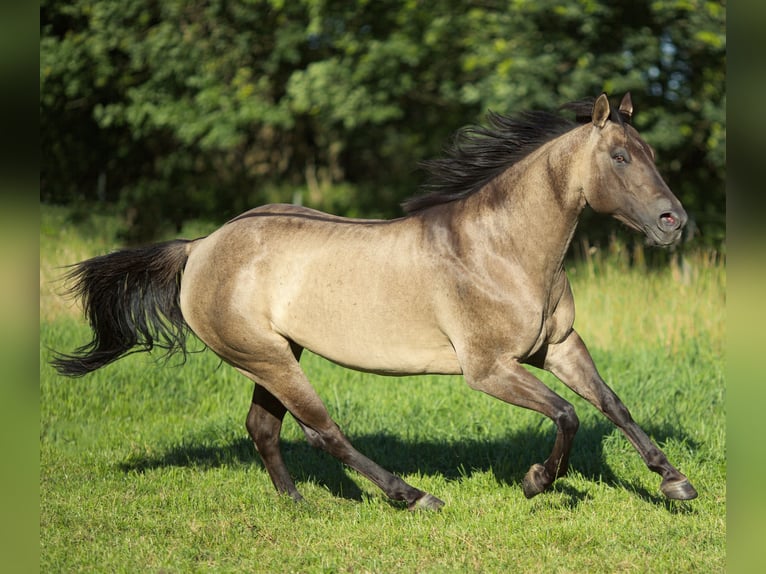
pixel 284 380
pixel 332 440
pixel 264 423
pixel 571 362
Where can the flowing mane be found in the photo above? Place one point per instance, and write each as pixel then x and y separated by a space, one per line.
pixel 478 154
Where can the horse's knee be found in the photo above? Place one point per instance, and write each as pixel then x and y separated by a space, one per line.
pixel 567 420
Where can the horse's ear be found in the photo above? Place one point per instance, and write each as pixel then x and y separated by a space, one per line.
pixel 601 110
pixel 626 106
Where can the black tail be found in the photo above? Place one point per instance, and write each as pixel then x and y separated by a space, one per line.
pixel 130 298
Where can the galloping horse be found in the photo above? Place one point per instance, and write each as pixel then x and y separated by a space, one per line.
pixel 471 281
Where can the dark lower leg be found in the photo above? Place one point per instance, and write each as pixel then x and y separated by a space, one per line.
pixel 571 362
pixel 264 423
pixel 333 441
pixel 511 382
pixel 674 483
pixel 282 385
pixel 541 476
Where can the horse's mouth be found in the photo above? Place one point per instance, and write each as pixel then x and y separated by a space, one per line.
pixel 663 239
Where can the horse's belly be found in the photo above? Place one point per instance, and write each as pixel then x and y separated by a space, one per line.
pixel 391 359
pixel 385 343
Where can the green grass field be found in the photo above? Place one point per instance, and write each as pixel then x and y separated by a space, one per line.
pixel 146 467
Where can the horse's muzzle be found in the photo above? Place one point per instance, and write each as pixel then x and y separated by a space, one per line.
pixel 669 226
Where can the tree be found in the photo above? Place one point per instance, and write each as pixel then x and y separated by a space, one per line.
pixel 186 109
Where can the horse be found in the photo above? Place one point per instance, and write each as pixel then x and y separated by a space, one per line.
pixel 470 281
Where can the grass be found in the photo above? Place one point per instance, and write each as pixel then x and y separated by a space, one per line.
pixel 146 467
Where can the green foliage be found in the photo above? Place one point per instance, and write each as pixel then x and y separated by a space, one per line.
pixel 176 110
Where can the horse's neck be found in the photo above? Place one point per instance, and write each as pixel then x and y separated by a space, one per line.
pixel 535 209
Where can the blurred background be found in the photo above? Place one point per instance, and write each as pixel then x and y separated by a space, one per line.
pixel 176 110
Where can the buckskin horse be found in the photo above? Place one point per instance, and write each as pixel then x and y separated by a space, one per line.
pixel 470 281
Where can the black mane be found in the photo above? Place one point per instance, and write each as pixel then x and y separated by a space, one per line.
pixel 478 154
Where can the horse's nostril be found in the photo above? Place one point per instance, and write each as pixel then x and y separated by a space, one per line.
pixel 670 220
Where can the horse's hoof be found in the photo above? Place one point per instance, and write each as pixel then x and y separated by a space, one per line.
pixel 678 489
pixel 535 481
pixel 426 502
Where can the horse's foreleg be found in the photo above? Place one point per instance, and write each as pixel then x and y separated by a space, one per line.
pixel 264 423
pixel 509 381
pixel 571 362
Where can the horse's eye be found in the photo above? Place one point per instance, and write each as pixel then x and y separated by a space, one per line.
pixel 619 155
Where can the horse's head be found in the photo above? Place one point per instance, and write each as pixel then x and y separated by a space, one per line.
pixel 624 181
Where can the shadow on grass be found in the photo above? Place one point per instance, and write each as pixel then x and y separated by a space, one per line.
pixel 508 458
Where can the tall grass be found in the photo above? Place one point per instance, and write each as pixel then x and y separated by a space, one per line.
pixel 147 467
pixel 622 302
